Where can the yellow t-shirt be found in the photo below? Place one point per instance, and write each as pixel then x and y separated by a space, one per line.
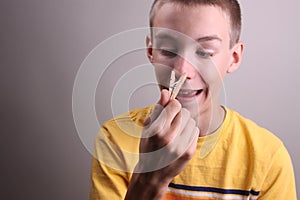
pixel 239 161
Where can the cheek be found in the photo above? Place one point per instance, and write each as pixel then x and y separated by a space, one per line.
pixel 210 71
pixel 222 63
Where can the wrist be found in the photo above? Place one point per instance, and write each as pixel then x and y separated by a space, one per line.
pixel 146 186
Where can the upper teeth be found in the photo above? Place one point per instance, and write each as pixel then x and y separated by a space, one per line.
pixel 185 92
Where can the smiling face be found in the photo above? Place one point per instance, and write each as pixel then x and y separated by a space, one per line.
pixel 194 41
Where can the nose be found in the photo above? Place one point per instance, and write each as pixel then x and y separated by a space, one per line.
pixel 184 66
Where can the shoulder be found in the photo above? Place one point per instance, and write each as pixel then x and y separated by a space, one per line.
pixel 263 154
pixel 250 129
pixel 259 141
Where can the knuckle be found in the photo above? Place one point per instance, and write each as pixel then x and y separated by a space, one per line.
pixel 155 129
pixel 161 136
pixel 164 141
pixel 189 153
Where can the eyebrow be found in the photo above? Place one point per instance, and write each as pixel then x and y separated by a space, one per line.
pixel 163 36
pixel 209 38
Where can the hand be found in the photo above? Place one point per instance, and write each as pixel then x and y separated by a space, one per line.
pixel 168 142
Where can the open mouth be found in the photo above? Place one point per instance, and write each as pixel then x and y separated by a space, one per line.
pixel 186 93
pixel 189 93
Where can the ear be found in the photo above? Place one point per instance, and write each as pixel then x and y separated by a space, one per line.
pixel 149 48
pixel 236 57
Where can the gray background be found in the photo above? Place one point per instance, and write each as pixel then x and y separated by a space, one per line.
pixel 42 45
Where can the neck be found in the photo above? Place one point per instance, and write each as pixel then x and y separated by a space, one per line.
pixel 211 119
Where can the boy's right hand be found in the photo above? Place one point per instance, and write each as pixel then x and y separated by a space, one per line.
pixel 168 142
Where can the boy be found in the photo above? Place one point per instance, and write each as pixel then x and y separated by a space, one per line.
pixel 191 147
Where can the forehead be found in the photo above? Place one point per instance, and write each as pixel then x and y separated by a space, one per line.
pixel 195 21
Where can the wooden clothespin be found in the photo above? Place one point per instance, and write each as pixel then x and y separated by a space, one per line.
pixel 175 86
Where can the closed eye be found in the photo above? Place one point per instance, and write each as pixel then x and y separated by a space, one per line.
pixel 168 52
pixel 204 54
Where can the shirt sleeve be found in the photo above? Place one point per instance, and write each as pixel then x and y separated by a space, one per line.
pixel 107 181
pixel 279 182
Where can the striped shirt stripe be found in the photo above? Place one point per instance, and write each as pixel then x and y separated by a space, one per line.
pixel 210 192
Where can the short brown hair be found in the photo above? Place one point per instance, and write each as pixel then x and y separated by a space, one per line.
pixel 231 7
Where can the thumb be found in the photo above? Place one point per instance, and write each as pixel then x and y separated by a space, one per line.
pixel 164 97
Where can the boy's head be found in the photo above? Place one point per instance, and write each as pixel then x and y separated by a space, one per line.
pixel 198 38
pixel 230 7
